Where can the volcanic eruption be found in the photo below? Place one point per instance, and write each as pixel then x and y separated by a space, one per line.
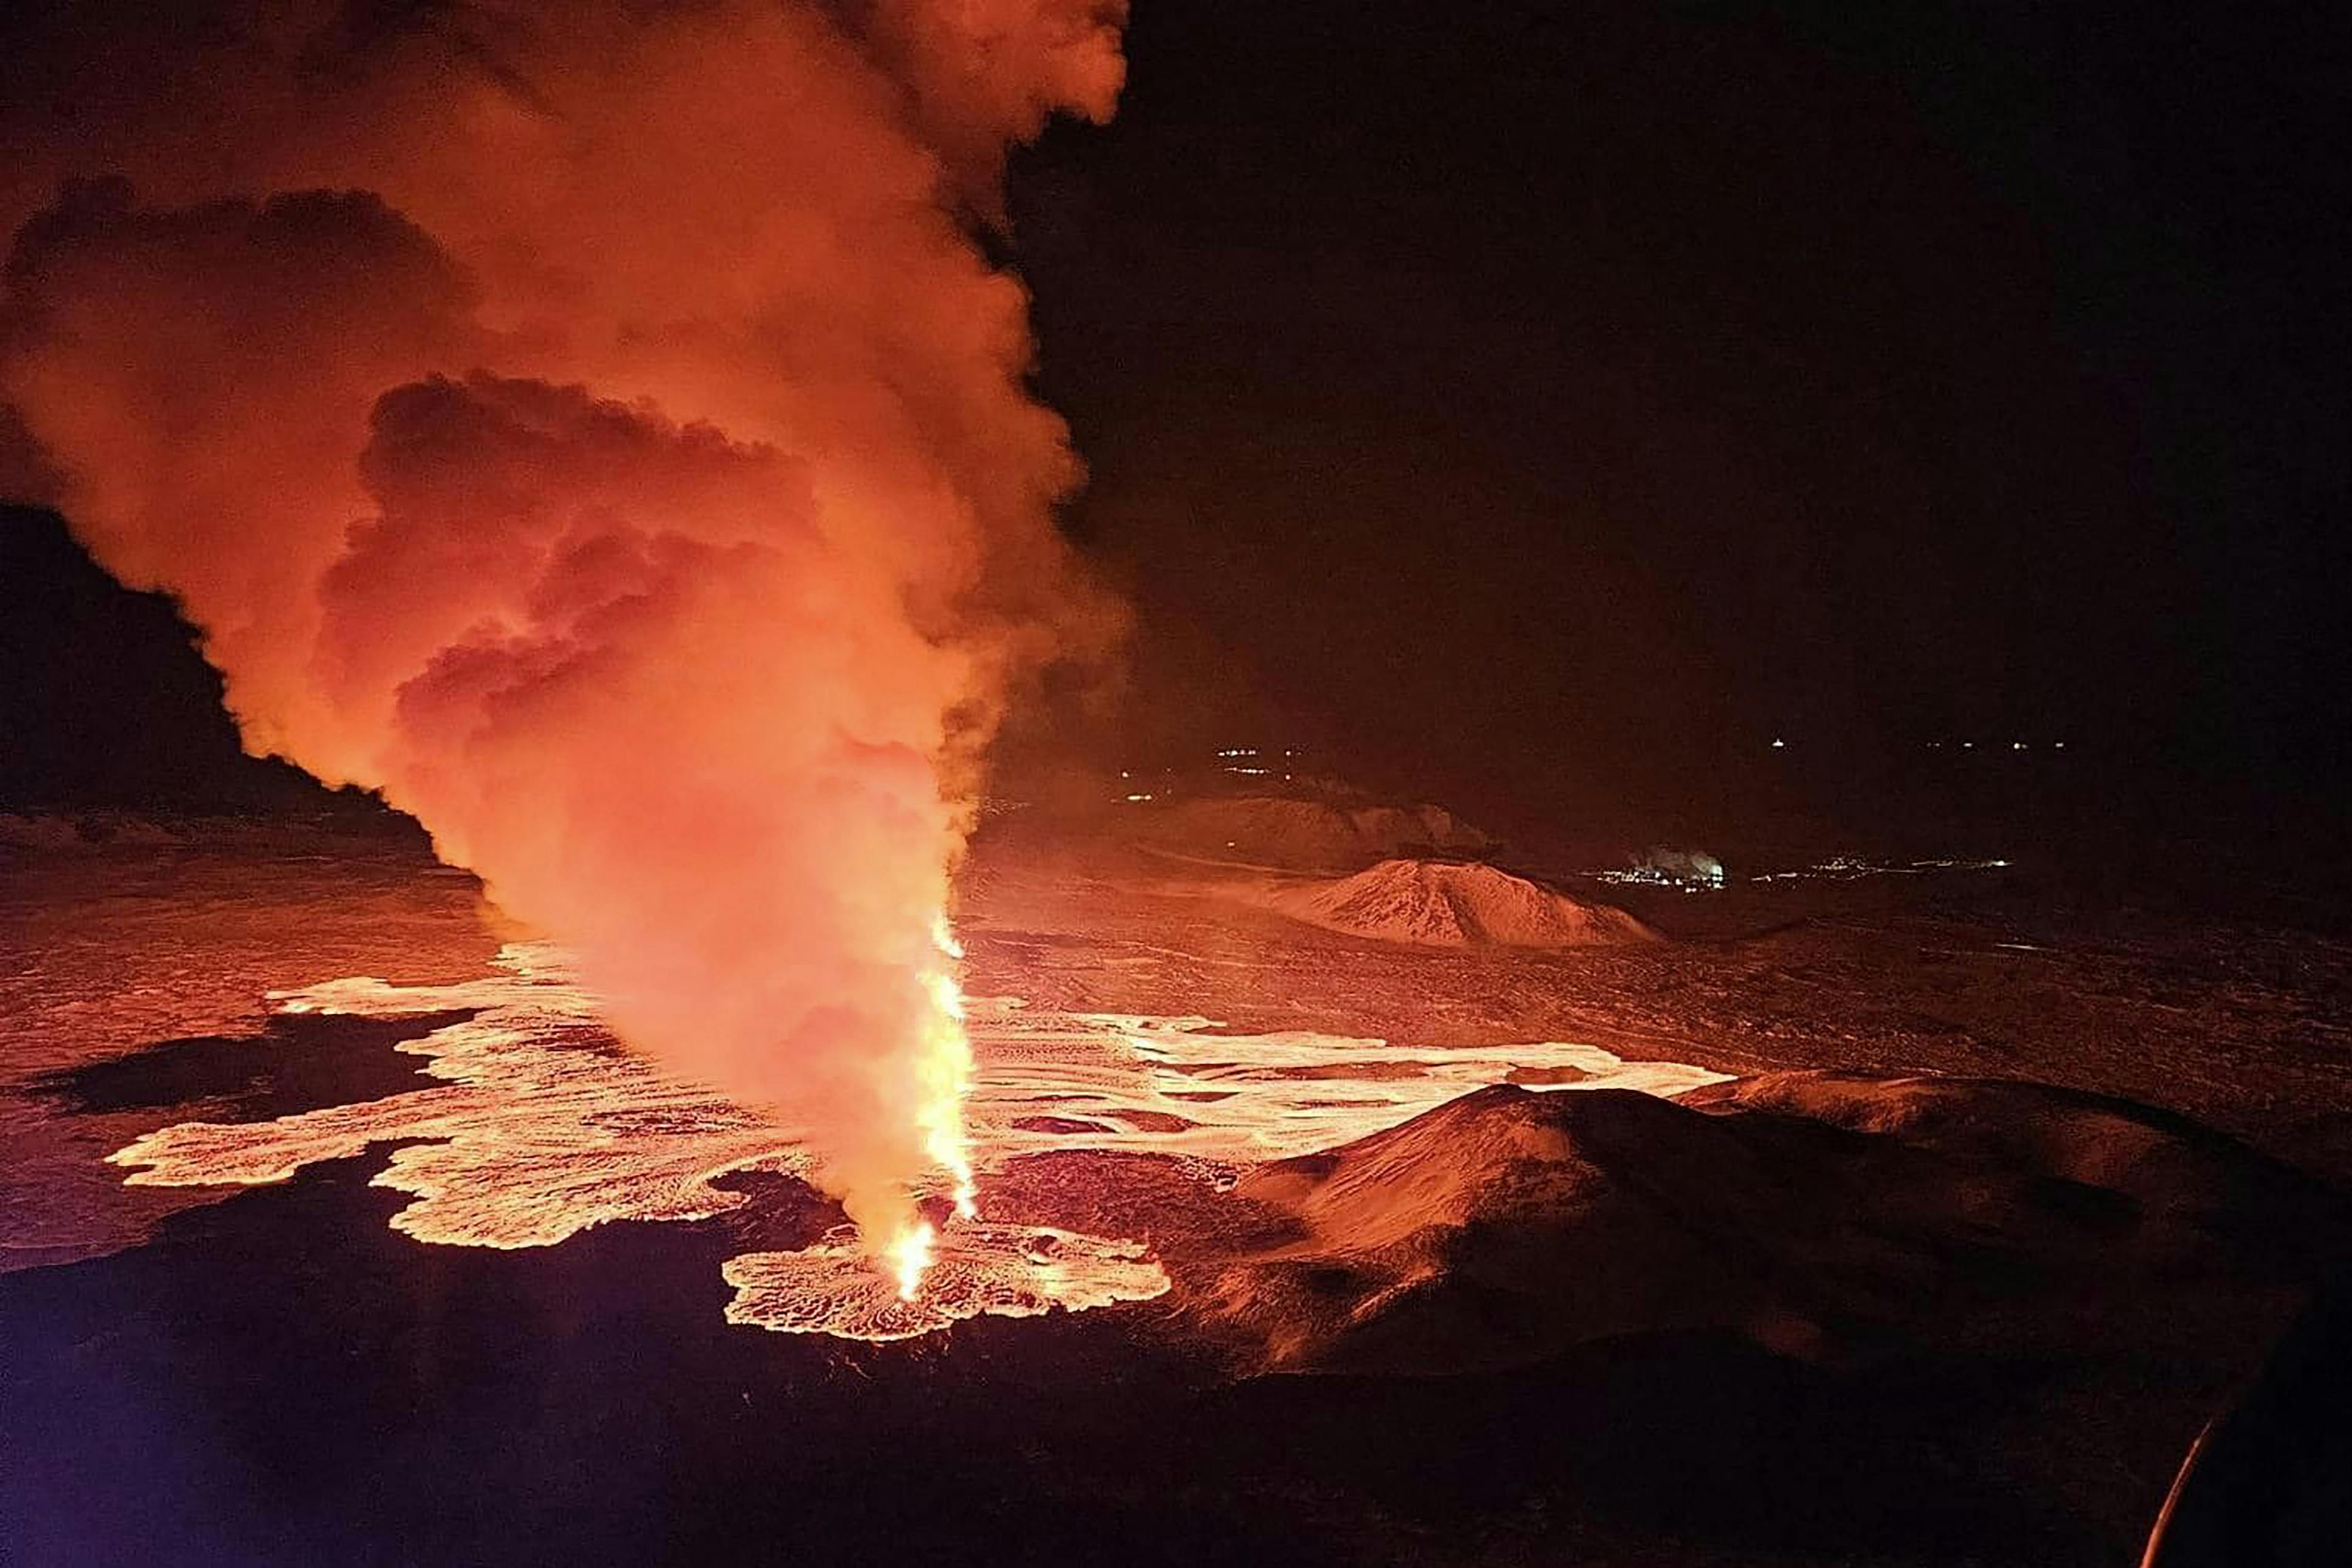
pixel 600 432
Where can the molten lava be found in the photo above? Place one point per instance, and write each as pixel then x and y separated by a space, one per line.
pixel 910 1253
pixel 947 1072
pixel 944 1071
pixel 533 1129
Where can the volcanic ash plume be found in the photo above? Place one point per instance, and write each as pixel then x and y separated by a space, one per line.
pixel 593 428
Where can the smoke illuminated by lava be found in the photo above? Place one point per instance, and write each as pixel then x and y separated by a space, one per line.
pixel 594 428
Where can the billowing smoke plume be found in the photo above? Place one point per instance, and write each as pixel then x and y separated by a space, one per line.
pixel 595 428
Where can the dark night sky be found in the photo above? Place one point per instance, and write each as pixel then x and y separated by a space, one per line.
pixel 1557 399
pixel 1549 403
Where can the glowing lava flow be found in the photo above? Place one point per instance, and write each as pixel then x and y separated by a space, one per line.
pixel 531 1126
pixel 993 1270
pixel 946 1068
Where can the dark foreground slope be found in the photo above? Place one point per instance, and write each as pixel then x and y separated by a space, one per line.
pixel 1827 1321
pixel 1828 1217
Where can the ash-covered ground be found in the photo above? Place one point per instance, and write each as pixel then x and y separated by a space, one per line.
pixel 1790 1282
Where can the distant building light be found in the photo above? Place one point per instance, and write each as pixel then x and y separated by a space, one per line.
pixel 1778 744
pixel 1134 797
pixel 1967 745
pixel 2017 745
pixel 2057 745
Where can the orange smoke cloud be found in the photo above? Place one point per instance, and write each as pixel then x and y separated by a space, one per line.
pixel 594 430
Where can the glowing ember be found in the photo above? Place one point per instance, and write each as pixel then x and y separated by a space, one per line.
pixel 538 1128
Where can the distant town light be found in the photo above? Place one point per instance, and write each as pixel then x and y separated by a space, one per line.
pixel 1778 744
pixel 1134 797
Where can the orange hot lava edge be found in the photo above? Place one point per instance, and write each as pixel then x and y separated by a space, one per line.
pixel 515 1145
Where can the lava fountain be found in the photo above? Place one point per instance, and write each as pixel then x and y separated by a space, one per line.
pixel 598 430
pixel 946 1069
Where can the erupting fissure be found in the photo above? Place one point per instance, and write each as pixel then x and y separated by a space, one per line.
pixel 946 1072
pixel 524 1132
pixel 597 430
